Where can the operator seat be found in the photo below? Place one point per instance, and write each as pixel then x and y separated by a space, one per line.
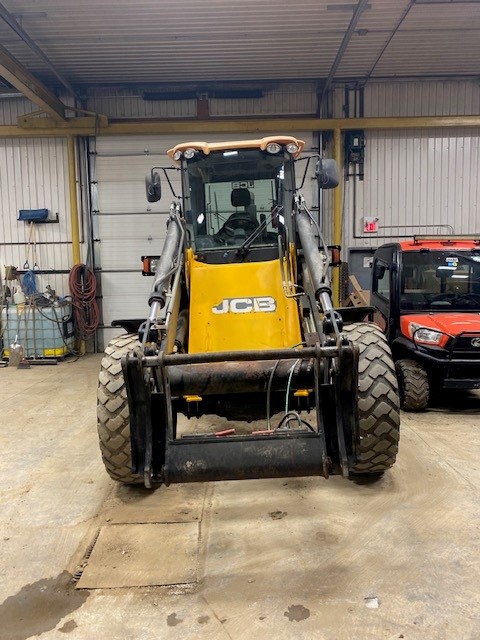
pixel 243 198
pixel 241 223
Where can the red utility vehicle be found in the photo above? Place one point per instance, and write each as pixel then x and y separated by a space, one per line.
pixel 426 295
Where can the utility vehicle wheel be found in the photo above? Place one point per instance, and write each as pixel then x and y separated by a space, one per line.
pixel 378 401
pixel 113 417
pixel 413 384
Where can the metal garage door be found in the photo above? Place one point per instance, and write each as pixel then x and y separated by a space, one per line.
pixel 126 226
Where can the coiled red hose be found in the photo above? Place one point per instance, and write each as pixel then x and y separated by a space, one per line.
pixel 83 287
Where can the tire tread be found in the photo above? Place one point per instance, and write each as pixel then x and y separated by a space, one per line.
pixel 378 400
pixel 113 416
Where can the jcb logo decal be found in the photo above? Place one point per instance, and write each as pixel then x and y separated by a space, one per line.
pixel 264 304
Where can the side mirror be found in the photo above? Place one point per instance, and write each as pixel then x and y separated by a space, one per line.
pixel 378 271
pixel 327 173
pixel 153 186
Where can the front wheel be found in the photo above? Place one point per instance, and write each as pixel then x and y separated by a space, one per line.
pixel 113 416
pixel 413 383
pixel 376 445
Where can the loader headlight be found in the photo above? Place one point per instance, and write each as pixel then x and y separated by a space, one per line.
pixel 423 335
pixel 189 153
pixel 292 147
pixel 273 147
pixel 177 155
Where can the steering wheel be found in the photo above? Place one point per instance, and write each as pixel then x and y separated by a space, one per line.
pixel 246 223
pixel 443 297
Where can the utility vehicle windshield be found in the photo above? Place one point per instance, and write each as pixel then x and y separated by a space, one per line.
pixel 440 280
pixel 233 196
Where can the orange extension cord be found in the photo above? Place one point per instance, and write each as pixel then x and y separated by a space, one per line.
pixel 83 287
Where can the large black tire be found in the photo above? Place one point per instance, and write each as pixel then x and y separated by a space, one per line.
pixel 378 401
pixel 113 417
pixel 413 384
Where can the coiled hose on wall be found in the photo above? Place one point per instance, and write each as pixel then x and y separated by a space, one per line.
pixel 83 287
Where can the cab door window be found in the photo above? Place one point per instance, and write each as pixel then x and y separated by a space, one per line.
pixel 381 279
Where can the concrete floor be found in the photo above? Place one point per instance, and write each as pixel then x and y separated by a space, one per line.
pixel 303 558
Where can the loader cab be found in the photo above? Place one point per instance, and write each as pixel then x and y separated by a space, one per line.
pixel 235 203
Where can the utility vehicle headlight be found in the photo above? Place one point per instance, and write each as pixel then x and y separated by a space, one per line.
pixel 273 147
pixel 177 155
pixel 423 335
pixel 189 153
pixel 292 147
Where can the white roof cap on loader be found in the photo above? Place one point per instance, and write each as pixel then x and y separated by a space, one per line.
pixel 260 143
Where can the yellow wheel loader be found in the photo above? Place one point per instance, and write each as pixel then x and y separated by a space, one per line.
pixel 242 326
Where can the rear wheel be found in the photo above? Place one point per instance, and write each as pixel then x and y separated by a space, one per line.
pixel 113 416
pixel 378 401
pixel 413 383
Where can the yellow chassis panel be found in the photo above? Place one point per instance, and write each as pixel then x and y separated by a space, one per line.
pixel 240 306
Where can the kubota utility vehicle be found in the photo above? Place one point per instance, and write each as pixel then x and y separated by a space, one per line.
pixel 242 327
pixel 426 292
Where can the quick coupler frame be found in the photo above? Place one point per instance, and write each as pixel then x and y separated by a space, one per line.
pixel 160 457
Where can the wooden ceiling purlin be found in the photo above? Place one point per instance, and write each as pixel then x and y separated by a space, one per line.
pixel 18 76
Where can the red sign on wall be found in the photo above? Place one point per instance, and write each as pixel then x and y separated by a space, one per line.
pixel 370 225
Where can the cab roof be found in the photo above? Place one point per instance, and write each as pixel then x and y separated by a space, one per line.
pixel 260 143
pixel 441 243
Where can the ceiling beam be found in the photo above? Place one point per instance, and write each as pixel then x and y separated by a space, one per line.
pixel 100 126
pixel 33 89
pixel 359 9
pixel 405 13
pixel 13 24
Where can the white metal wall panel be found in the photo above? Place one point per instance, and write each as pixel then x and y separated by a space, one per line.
pixel 422 98
pixel 127 226
pixel 421 182
pixel 33 175
pixel 11 108
pixel 292 99
pixel 129 103
pixel 427 98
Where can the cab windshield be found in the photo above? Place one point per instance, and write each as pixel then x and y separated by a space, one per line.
pixel 441 280
pixel 233 196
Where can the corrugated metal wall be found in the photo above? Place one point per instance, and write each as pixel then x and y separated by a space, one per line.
pixel 11 108
pixel 129 103
pixel 418 181
pixel 33 175
pixel 426 98
pixel 292 99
